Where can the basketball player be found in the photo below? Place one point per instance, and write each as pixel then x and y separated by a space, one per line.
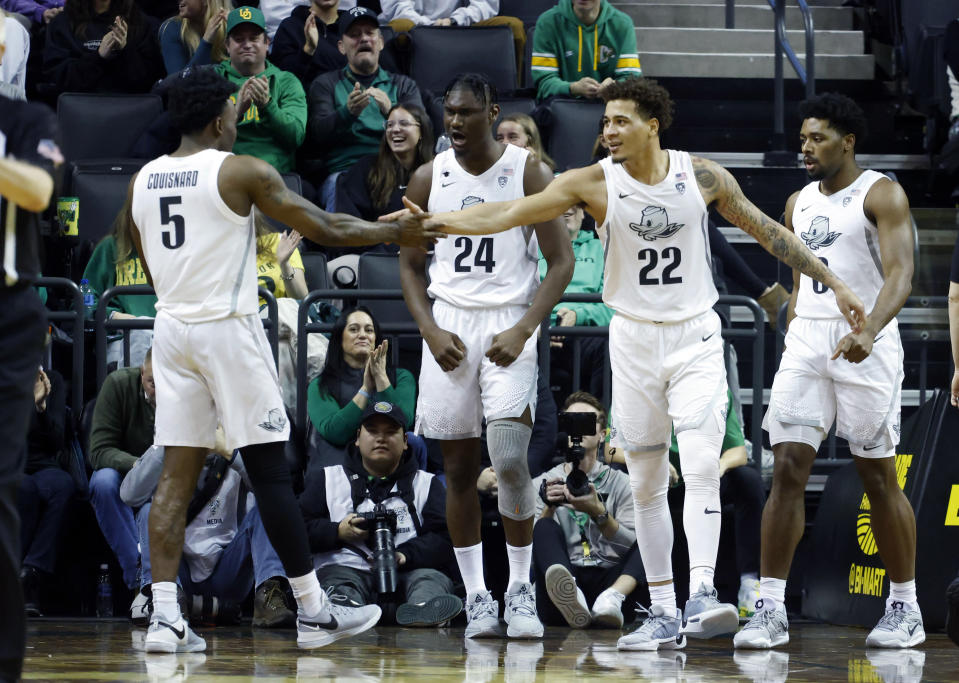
pixel 665 342
pixel 193 214
pixel 858 222
pixel 479 343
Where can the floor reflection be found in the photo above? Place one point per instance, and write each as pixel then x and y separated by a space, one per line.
pixel 62 650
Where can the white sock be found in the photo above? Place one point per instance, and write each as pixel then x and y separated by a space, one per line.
pixel 748 576
pixel 309 596
pixel 520 559
pixel 700 576
pixel 664 595
pixel 470 562
pixel 903 592
pixel 772 589
pixel 164 601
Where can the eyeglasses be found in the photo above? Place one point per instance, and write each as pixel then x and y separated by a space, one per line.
pixel 402 123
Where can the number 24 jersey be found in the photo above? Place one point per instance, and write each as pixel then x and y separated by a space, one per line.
pixel 484 270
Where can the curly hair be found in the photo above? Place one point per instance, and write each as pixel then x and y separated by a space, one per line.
pixel 196 98
pixel 651 99
pixel 478 84
pixel 842 113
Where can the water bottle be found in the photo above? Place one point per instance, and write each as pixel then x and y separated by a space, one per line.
pixel 89 299
pixel 104 593
pixel 442 144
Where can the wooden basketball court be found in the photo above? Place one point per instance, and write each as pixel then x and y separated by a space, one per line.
pixel 88 649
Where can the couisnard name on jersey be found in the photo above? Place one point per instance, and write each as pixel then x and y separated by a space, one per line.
pixel 172 180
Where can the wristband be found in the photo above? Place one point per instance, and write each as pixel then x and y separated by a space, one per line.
pixel 363 392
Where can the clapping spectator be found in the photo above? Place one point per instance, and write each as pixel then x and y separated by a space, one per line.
pixel 359 371
pixel 102 46
pixel 270 102
pixel 197 35
pixel 306 41
pixel 46 489
pixel 348 108
pixel 279 266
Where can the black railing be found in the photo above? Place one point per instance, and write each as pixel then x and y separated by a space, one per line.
pixel 779 155
pixel 105 325
pixel 756 333
pixel 76 315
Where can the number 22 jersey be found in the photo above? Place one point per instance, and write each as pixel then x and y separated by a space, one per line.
pixel 482 271
pixel 201 254
pixel 658 264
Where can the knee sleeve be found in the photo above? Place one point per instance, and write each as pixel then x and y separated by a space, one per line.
pixel 702 511
pixel 649 480
pixel 508 442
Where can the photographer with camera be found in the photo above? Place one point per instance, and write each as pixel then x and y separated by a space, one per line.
pixel 584 543
pixel 377 525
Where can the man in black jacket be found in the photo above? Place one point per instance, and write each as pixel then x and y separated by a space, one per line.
pixel 380 478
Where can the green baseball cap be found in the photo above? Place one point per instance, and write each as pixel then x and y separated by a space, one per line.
pixel 245 15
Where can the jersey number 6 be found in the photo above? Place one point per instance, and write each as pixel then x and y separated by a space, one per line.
pixel 174 239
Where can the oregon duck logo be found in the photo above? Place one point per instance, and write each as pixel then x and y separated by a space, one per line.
pixel 245 13
pixel 818 234
pixel 654 223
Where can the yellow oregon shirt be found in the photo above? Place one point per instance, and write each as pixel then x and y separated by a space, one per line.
pixel 268 271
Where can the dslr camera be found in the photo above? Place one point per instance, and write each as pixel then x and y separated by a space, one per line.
pixel 381 523
pixel 572 428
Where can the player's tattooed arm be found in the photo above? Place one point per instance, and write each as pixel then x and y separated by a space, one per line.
pixel 720 189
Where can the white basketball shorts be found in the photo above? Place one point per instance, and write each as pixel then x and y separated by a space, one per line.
pixel 216 372
pixel 665 375
pixel 812 390
pixel 451 405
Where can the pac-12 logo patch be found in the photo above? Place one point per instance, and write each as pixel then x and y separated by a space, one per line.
pixel 654 223
pixel 818 234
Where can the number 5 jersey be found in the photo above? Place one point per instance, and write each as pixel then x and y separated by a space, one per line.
pixel 489 270
pixel 201 254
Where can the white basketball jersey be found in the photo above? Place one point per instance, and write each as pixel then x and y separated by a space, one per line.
pixel 484 270
pixel 202 256
pixel 836 230
pixel 658 264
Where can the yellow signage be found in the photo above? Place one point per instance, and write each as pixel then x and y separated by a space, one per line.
pixel 867 541
pixel 952 508
pixel 866 580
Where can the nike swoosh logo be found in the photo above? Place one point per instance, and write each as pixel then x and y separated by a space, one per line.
pixel 179 634
pixel 623 196
pixel 448 184
pixel 803 209
pixel 878 338
pixel 711 512
pixel 315 625
pixel 708 337
pixel 871 448
pixel 912 629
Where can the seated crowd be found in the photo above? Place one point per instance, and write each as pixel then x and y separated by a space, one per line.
pixel 320 93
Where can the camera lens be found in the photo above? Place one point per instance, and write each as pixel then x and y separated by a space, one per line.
pixel 578 483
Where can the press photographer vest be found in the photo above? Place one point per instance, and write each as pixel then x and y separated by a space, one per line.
pixel 343 488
